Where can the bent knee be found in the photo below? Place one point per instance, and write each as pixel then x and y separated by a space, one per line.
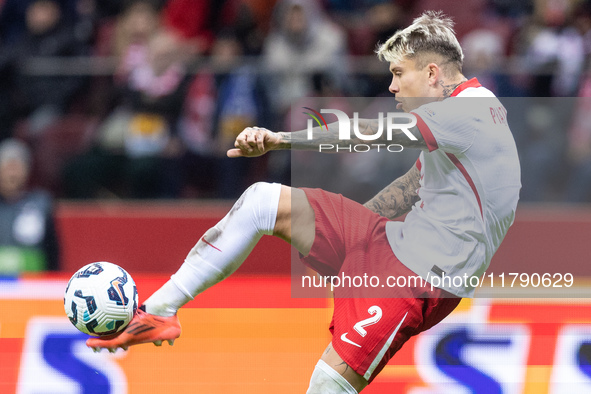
pixel 283 223
pixel 258 205
pixel 259 189
pixel 295 219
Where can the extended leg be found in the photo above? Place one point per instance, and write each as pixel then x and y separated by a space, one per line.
pixel 262 209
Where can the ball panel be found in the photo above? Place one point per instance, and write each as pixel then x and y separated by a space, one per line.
pixel 88 270
pixel 74 316
pixel 89 300
pixel 116 291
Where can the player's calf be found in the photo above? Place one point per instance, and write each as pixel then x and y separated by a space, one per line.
pixel 221 250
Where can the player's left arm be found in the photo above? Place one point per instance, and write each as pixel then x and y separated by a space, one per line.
pixel 397 198
pixel 256 141
pixel 408 137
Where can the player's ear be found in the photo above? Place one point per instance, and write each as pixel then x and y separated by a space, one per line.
pixel 434 73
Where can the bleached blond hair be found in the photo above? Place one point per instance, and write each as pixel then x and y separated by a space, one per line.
pixel 430 33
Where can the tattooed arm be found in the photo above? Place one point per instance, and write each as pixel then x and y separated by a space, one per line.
pixel 408 138
pixel 256 141
pixel 397 198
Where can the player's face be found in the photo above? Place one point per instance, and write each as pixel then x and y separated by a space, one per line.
pixel 409 84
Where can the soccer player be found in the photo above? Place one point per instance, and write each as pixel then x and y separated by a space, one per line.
pixel 460 197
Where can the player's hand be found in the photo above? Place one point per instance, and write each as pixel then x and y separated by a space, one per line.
pixel 253 142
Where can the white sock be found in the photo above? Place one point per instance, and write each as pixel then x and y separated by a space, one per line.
pixel 221 250
pixel 326 380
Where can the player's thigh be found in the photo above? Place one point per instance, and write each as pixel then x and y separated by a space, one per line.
pixel 295 219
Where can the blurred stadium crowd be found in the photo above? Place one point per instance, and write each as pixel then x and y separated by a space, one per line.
pixel 141 98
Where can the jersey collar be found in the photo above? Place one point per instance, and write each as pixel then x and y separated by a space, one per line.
pixel 473 83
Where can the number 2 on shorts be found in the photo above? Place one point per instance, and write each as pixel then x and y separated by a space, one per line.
pixel 376 313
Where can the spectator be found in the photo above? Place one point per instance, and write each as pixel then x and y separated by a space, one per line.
pixel 247 24
pixel 28 239
pixel 578 188
pixel 193 21
pixel 137 143
pixel 557 55
pixel 126 39
pixel 198 22
pixel 100 171
pixel 485 51
pixel 33 95
pixel 154 95
pixel 13 18
pixel 366 28
pixel 135 27
pixel 302 42
pixel 217 109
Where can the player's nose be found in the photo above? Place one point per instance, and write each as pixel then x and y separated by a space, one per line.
pixel 394 87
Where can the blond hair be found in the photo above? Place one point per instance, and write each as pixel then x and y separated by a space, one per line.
pixel 430 33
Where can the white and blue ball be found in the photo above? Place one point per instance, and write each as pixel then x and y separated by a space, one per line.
pixel 100 299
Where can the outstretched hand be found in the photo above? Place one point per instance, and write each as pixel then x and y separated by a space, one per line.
pixel 253 142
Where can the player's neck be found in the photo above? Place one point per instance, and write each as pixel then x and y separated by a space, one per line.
pixel 448 85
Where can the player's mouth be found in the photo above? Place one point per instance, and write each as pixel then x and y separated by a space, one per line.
pixel 400 104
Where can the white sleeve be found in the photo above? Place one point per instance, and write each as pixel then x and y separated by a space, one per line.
pixel 446 126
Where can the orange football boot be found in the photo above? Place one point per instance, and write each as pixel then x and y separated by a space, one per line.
pixel 143 328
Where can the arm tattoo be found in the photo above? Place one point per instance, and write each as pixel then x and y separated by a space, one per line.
pixel 299 139
pixel 285 139
pixel 397 198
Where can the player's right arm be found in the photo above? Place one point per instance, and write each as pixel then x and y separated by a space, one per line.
pixel 397 198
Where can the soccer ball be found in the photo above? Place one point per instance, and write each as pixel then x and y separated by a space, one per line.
pixel 100 299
